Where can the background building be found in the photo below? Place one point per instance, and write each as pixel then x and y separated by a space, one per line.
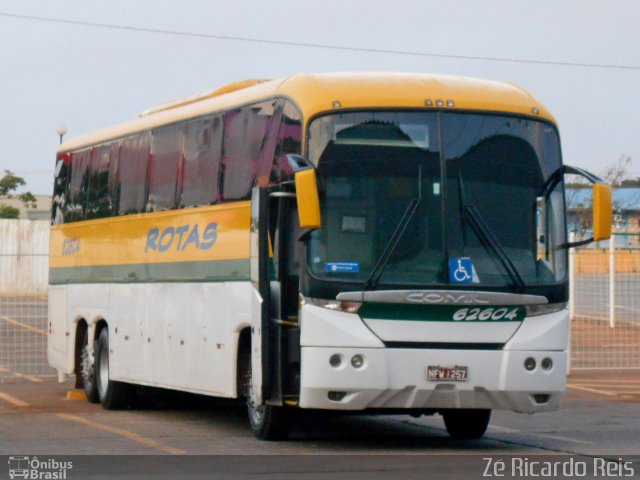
pixel 42 210
pixel 626 214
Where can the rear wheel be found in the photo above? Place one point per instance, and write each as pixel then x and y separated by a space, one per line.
pixel 466 424
pixel 87 365
pixel 112 395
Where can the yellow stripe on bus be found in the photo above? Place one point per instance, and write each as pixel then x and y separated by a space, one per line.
pixel 218 232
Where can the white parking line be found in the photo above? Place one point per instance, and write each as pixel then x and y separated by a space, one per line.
pixel 543 435
pixel 24 325
pixel 21 375
pixel 593 390
pixel 13 400
pixel 28 377
pixel 580 381
pixel 148 442
pixel 611 386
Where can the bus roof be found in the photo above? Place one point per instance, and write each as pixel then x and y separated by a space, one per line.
pixel 323 92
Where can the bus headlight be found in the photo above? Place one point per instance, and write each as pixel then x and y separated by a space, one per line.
pixel 357 361
pixel 335 360
pixel 337 305
pixel 530 364
pixel 544 309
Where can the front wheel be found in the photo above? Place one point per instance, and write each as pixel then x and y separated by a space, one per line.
pixel 113 395
pixel 466 424
pixel 268 422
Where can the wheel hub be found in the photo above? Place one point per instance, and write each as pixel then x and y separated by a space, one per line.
pixel 87 363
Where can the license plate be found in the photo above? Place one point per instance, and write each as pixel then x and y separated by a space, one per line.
pixel 436 373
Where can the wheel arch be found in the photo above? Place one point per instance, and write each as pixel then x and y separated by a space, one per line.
pixel 243 358
pixel 100 323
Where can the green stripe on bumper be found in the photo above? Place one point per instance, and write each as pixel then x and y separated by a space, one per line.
pixel 442 313
pixel 209 271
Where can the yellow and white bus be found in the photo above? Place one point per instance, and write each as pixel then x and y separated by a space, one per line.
pixel 367 242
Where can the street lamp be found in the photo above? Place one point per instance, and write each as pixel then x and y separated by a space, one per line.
pixel 61 131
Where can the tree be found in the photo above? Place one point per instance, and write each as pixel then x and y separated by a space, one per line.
pixel 9 184
pixel 630 183
pixel 7 211
pixel 617 173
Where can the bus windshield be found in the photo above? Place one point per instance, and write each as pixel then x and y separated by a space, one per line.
pixel 436 198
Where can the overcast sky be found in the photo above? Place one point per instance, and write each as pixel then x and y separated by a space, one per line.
pixel 88 77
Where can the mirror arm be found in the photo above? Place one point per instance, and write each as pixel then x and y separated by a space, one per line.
pixel 579 171
pixel 298 163
pixel 556 177
pixel 575 244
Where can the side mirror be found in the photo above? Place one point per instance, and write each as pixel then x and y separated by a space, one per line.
pixel 602 202
pixel 602 211
pixel 306 192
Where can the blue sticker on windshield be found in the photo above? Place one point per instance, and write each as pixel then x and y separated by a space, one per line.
pixel 460 270
pixel 350 267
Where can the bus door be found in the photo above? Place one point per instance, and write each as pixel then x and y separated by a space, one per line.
pixel 275 353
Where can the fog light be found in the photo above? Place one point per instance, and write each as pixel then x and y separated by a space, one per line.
pixel 335 360
pixel 357 361
pixel 530 363
pixel 546 364
pixel 541 398
pixel 336 396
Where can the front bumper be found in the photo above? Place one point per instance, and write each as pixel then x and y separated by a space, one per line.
pixel 396 379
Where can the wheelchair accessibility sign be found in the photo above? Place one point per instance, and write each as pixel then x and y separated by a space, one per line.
pixel 461 270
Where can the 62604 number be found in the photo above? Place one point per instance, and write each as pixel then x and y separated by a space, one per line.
pixel 487 314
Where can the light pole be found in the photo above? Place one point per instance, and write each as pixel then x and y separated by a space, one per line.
pixel 61 131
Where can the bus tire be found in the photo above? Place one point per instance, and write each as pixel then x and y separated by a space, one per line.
pixel 268 422
pixel 466 424
pixel 113 395
pixel 87 366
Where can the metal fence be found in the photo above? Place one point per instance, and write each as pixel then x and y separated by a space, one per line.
pixel 605 304
pixel 24 268
pixel 23 337
pixel 604 334
pixel 24 252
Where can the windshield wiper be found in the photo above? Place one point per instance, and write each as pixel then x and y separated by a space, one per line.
pixel 469 213
pixel 491 243
pixel 391 245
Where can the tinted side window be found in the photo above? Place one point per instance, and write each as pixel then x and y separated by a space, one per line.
pixel 289 141
pixel 244 133
pixel 132 173
pixel 114 179
pixel 99 204
pixel 77 198
pixel 166 151
pixel 60 187
pixel 202 155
